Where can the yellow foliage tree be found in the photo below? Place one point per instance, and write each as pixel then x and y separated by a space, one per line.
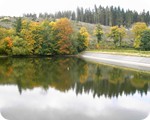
pixel 117 34
pixel 30 33
pixel 83 39
pixel 137 29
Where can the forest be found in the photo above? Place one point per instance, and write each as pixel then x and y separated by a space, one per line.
pixel 62 34
pixel 108 16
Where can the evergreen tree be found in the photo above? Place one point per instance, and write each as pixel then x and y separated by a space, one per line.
pixel 18 25
pixel 145 40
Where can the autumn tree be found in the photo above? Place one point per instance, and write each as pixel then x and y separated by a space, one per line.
pixel 7 45
pixel 36 36
pixel 117 34
pixel 5 40
pixel 31 35
pixel 83 39
pixel 137 29
pixel 63 31
pixel 27 35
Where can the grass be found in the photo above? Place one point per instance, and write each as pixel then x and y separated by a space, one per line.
pixel 131 52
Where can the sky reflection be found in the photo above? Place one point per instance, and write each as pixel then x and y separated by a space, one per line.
pixel 37 104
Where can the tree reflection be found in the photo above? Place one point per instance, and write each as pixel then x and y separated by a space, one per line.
pixel 71 73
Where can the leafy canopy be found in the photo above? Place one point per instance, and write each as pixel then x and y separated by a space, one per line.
pixel 137 29
pixel 117 34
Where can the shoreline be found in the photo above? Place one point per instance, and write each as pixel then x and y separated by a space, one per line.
pixel 36 56
pixel 126 53
pixel 135 62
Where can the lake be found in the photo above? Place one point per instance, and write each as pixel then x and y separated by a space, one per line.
pixel 70 88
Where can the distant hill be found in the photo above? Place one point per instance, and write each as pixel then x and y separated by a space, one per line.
pixel 7 22
pixel 128 39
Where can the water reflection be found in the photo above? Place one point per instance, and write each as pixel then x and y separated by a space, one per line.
pixel 56 105
pixel 71 88
pixel 64 74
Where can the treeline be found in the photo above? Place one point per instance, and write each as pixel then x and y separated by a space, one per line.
pixel 109 16
pixel 43 38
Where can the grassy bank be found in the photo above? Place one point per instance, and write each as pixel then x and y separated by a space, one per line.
pixel 131 52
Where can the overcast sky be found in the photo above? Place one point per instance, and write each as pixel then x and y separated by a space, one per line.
pixel 18 7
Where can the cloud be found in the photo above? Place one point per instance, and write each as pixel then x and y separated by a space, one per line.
pixel 34 105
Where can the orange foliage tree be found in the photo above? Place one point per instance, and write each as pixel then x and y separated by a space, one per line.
pixel 8 44
pixel 63 30
pixel 6 40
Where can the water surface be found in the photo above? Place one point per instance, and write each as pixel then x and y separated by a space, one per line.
pixel 71 89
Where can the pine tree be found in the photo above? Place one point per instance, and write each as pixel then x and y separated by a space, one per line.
pixel 18 25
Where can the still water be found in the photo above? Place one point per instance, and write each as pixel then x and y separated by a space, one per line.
pixel 71 89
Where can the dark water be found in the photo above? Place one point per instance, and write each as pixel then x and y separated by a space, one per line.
pixel 71 89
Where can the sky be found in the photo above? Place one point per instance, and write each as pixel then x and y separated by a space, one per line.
pixel 19 7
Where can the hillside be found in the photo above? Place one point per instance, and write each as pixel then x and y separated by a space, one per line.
pixel 127 40
pixel 8 22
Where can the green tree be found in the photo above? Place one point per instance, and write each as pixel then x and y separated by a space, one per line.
pixel 20 46
pixel 98 32
pixel 18 25
pixel 145 40
pixel 47 46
